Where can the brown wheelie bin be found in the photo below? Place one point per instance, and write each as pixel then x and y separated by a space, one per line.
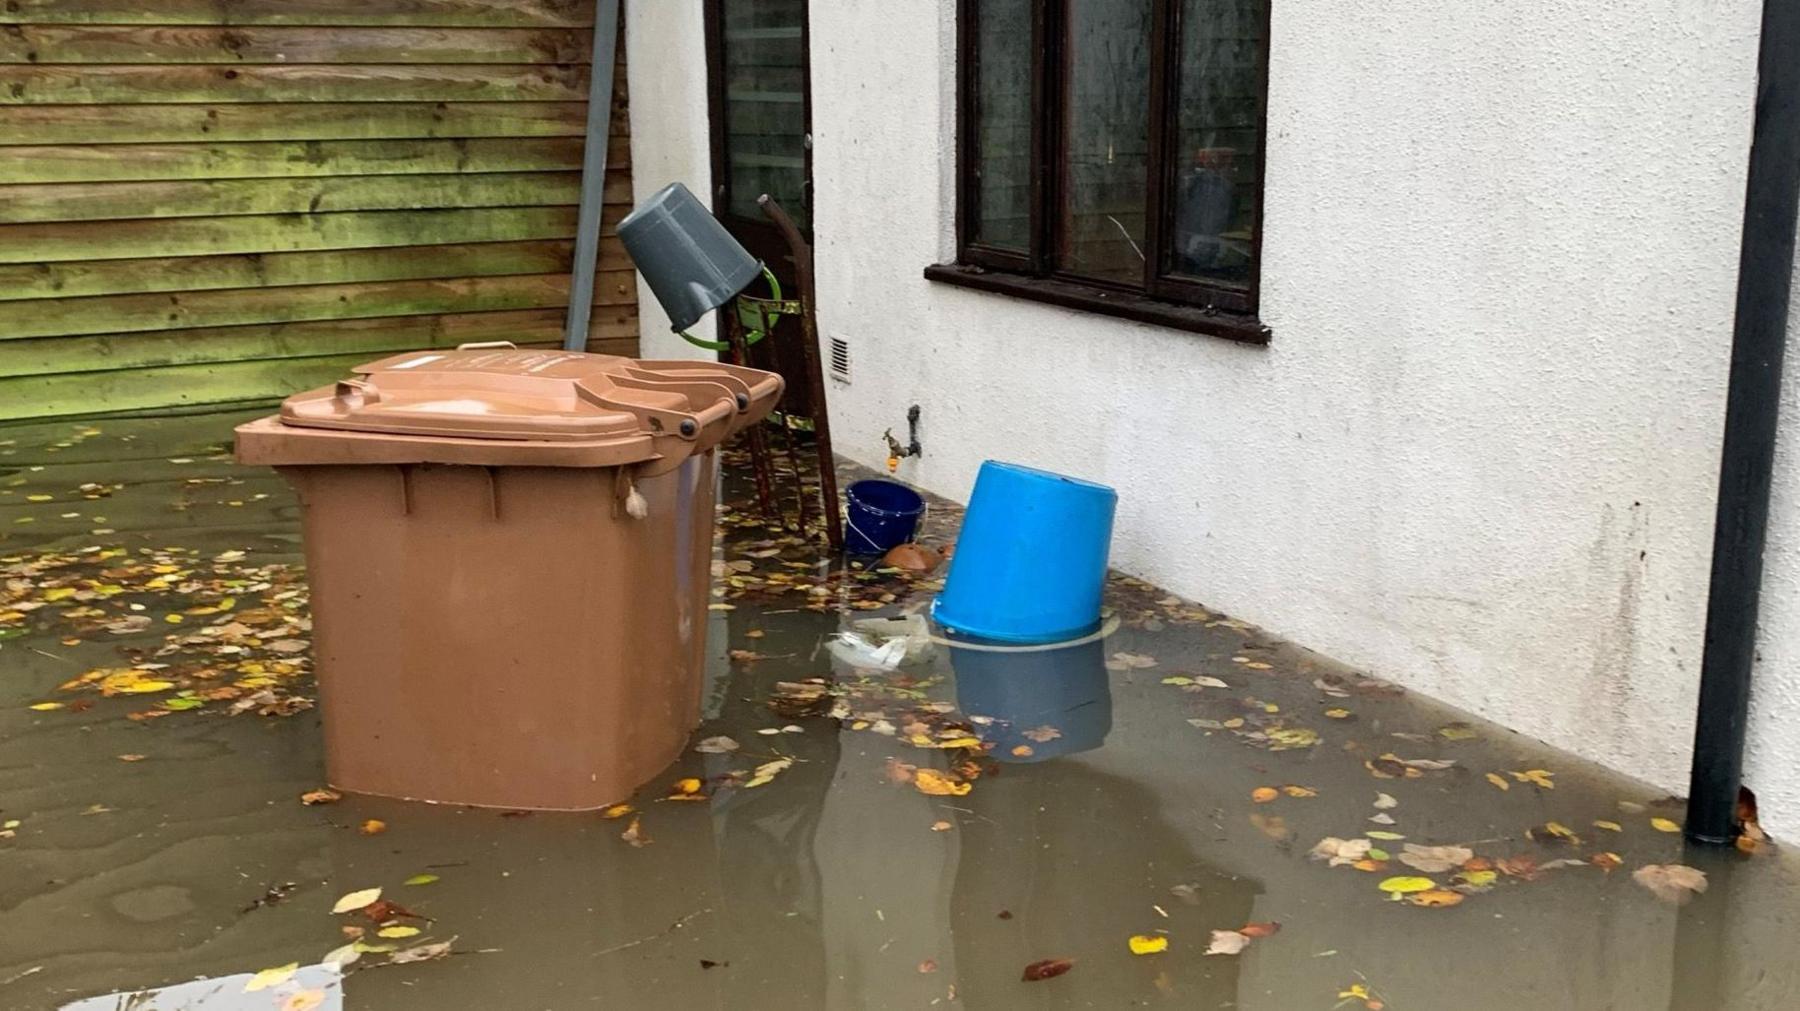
pixel 510 555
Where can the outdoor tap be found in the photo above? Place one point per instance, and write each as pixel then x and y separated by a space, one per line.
pixel 912 447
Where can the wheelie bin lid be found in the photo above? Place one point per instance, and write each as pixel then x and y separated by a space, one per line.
pixel 499 405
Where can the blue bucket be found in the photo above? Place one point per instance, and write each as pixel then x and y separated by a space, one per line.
pixel 881 516
pixel 1030 564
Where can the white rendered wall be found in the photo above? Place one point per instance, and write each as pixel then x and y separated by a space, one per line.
pixel 1479 457
pixel 666 73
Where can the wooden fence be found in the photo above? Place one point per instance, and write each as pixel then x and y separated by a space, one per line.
pixel 212 201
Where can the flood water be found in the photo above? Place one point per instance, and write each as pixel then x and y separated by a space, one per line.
pixel 1090 808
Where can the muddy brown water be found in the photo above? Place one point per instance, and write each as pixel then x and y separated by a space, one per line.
pixel 833 886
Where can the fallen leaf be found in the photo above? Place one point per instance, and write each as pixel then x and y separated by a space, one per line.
pixel 1664 825
pixel 1264 794
pixel 1434 859
pixel 1522 867
pixel 323 795
pixel 386 911
pixel 1536 777
pixel 1382 818
pixel 421 953
pixel 1337 714
pixel 303 1000
pixel 1299 791
pixel 1260 929
pixel 1386 836
pixel 374 826
pixel 912 558
pixel 617 811
pixel 338 958
pixel 941 826
pixel 1022 751
pixel 929 965
pixel 1042 734
pixel 1457 732
pixel 1496 779
pixel 44 707
pixel 687 786
pixel 1406 885
pixel 1553 831
pixel 1675 883
pixel 1436 898
pixel 939 784
pixel 1478 880
pixel 420 879
pixel 356 900
pixel 131 758
pixel 1340 851
pixel 397 931
pixel 271 977
pixel 1291 738
pixel 1227 942
pixel 634 835
pixel 1148 944
pixel 1130 661
pixel 1610 826
pixel 1384 802
pixel 1048 968
pixel 1606 861
pixel 716 746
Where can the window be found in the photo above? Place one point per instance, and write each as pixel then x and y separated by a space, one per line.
pixel 1111 156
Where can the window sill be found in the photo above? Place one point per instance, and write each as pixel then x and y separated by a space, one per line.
pixel 1124 305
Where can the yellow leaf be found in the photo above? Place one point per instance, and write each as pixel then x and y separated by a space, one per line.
pixel 1258 665
pixel 1479 879
pixel 1385 836
pixel 617 811
pixel 1610 826
pixel 1664 825
pixel 1558 829
pixel 959 742
pixel 173 619
pixel 1289 738
pixel 1437 898
pixel 1338 714
pixel 690 785
pixel 44 707
pixel 356 900
pixel 1405 885
pixel 398 931
pixel 1148 944
pixel 1536 777
pixel 374 826
pixel 59 593
pixel 420 879
pixel 1299 791
pixel 271 977
pixel 1264 794
pixel 939 784
pixel 1495 778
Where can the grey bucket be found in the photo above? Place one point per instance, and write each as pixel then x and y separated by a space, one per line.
pixel 692 263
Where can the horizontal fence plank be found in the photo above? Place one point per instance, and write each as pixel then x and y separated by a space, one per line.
pixel 44 202
pixel 279 233
pixel 137 124
pixel 371 336
pixel 67 163
pixel 344 82
pixel 185 310
pixel 201 273
pixel 48 317
pixel 510 13
pixel 94 44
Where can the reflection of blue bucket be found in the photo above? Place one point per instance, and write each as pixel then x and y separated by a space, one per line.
pixel 1031 692
pixel 1031 561
pixel 882 516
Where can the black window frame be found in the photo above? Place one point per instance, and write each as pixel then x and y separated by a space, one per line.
pixel 1161 298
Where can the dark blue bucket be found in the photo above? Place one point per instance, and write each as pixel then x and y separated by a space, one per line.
pixel 882 516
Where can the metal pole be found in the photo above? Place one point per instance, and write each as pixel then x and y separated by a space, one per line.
pixel 593 173
pixel 1752 409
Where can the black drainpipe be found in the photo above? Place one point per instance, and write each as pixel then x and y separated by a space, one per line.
pixel 1752 406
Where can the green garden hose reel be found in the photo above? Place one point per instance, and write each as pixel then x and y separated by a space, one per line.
pixel 757 316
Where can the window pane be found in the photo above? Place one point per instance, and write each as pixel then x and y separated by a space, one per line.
pixel 765 111
pixel 1217 103
pixel 1003 124
pixel 1106 130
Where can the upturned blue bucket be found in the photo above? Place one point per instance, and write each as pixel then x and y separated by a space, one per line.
pixel 1030 564
pixel 1024 689
pixel 881 515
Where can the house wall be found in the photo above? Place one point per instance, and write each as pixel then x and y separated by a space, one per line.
pixel 205 202
pixel 1479 456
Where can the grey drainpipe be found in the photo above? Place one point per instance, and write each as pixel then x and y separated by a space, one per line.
pixel 593 174
pixel 1752 408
